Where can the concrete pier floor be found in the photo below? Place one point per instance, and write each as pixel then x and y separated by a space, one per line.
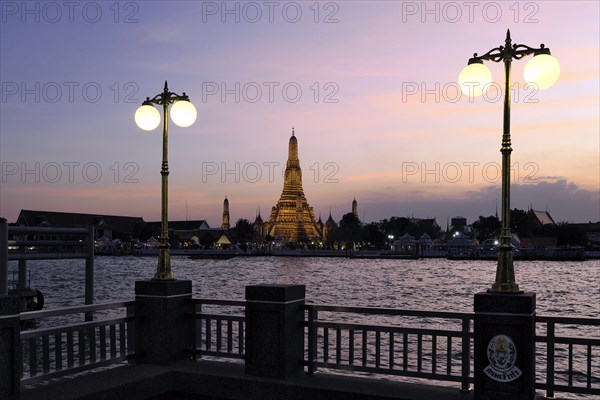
pixel 210 380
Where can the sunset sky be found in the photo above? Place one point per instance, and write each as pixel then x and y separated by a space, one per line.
pixel 369 87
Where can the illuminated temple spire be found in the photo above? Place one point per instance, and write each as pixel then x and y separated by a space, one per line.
pixel 225 223
pixel 292 219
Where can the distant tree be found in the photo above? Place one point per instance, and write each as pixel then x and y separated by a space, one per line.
pixel 374 235
pixel 350 229
pixel 487 228
pixel 520 223
pixel 570 235
pixel 332 237
pixel 243 231
pixel 427 226
pixel 397 226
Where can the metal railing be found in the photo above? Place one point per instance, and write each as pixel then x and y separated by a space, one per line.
pixel 431 345
pixel 568 359
pixel 217 334
pixel 71 348
pixel 397 348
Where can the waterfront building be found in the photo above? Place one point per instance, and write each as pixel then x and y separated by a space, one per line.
pixel 458 227
pixel 181 231
pixel 108 226
pixel 292 220
pixel 540 218
pixel 541 229
pixel 587 234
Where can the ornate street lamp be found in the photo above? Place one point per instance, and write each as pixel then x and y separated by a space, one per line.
pixel 183 113
pixel 542 71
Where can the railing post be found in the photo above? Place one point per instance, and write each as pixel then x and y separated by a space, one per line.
pixel 274 330
pixel 3 257
pixel 89 271
pixel 466 355
pixel 313 317
pixel 550 360
pixel 131 332
pixel 22 277
pixel 10 348
pixel 504 346
pixel 162 329
pixel 197 339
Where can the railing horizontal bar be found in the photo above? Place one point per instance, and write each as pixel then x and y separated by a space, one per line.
pixel 557 319
pixel 387 371
pixel 569 340
pixel 46 256
pixel 388 328
pixel 74 370
pixel 74 327
pixel 221 317
pixel 389 311
pixel 202 352
pixel 75 310
pixel 568 389
pixel 216 302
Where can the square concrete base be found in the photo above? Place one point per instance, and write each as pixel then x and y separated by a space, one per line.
pixel 504 346
pixel 163 332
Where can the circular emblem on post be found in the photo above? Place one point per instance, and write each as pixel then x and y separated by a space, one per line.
pixel 502 355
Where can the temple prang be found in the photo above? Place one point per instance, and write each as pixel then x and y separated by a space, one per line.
pixel 292 219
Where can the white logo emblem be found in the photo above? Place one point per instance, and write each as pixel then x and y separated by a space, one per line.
pixel 502 354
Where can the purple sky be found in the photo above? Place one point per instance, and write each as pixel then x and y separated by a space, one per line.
pixel 370 88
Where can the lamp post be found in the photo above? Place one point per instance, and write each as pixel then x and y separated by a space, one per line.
pixel 542 71
pixel 183 113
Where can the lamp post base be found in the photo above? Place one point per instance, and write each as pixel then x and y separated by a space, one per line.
pixel 508 288
pixel 505 273
pixel 164 273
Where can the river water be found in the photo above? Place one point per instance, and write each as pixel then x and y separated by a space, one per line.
pixel 566 288
pixel 563 288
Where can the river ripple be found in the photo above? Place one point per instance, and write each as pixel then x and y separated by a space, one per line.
pixel 566 288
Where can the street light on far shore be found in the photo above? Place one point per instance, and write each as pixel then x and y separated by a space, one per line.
pixel 542 71
pixel 147 118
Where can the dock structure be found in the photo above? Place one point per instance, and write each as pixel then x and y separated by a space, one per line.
pixel 79 245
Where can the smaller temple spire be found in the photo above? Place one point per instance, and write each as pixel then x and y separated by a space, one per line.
pixel 225 223
pixel 292 131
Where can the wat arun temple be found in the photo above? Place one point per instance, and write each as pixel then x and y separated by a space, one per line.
pixel 292 219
